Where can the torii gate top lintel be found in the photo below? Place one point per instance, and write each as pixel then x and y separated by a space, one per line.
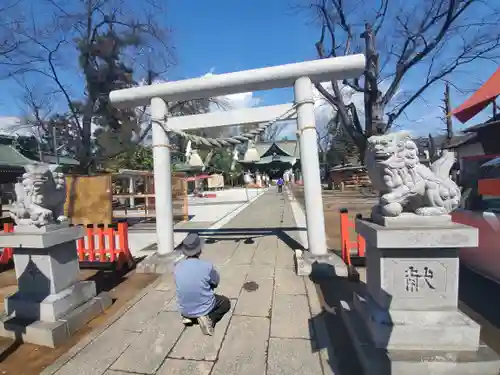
pixel 280 76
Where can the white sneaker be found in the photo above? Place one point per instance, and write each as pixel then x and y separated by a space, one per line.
pixel 206 325
pixel 187 321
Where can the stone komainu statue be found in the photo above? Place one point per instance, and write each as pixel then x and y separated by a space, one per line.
pixel 404 184
pixel 40 196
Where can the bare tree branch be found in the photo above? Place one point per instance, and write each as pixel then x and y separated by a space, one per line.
pixel 431 39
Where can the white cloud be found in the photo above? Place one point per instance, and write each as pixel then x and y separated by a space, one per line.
pixel 234 101
pixel 324 111
pixel 227 102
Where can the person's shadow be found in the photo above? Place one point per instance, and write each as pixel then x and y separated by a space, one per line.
pixel 332 331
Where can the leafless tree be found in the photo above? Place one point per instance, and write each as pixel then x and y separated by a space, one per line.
pixel 326 137
pixel 446 107
pixel 14 52
pixel 436 144
pixel 273 132
pixel 91 47
pixel 424 41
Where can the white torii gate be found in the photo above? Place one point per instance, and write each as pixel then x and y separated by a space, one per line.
pixel 299 75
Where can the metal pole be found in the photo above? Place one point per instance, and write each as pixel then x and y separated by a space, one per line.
pixel 310 166
pixel 131 191
pixel 162 168
pixel 54 143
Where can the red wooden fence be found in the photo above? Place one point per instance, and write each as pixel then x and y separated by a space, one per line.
pixel 100 245
pixel 7 252
pixel 347 245
pixel 105 245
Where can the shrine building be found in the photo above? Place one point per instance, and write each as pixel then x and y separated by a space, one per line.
pixel 274 158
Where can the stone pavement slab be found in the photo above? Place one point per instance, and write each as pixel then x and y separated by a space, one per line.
pixel 284 256
pixel 256 302
pixel 231 280
pixel 287 282
pixel 290 317
pixel 291 356
pixel 185 367
pixel 160 335
pixel 100 354
pixel 265 253
pixel 245 346
pixel 244 253
pixel 194 345
pixel 221 253
pixel 259 272
pixel 269 330
pixel 143 311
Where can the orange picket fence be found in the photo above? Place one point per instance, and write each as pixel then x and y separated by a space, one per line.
pixel 105 245
pixel 101 246
pixel 349 247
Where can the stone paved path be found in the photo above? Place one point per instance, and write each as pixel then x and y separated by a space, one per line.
pixel 274 327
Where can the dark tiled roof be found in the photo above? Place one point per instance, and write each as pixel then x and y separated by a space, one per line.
pixel 62 160
pixel 492 121
pixel 9 156
pixel 291 148
pixel 460 140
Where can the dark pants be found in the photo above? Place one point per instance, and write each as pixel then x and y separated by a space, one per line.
pixel 280 188
pixel 222 306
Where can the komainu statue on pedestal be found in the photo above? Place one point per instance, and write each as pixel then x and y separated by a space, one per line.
pixel 404 184
pixel 40 196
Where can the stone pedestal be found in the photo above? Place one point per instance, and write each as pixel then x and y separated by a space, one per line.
pixel 329 265
pixel 51 303
pixel 407 322
pixel 159 263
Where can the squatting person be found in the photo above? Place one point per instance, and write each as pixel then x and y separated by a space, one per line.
pixel 195 281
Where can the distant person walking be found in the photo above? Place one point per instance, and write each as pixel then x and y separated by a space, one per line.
pixel 280 184
pixel 195 281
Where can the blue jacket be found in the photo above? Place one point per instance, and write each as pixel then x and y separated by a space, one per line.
pixel 194 280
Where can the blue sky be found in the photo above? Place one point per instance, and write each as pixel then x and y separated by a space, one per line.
pixel 224 36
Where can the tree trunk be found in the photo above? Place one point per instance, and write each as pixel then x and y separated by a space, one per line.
pixel 324 156
pixel 378 123
pixel 447 109
pixel 85 151
pixel 374 108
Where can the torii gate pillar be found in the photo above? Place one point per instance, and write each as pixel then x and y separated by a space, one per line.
pixel 162 169
pixel 306 124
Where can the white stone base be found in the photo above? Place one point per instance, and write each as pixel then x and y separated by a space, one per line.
pixel 40 239
pixel 417 330
pixel 382 361
pixel 53 334
pixel 408 323
pixel 52 307
pixel 409 220
pixel 159 264
pixel 332 264
pixel 51 304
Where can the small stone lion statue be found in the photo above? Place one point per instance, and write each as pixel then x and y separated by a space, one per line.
pixel 404 184
pixel 40 196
